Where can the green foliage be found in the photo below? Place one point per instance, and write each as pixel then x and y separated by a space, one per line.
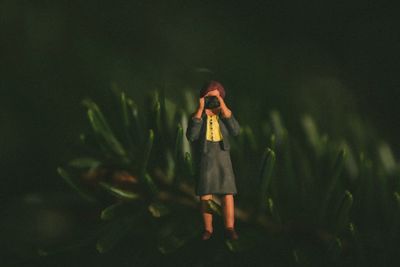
pixel 316 198
pixel 214 207
pixel 158 209
pixel 106 138
pixel 115 231
pixel 75 185
pixel 111 211
pixel 267 164
pixel 120 193
pixel 342 214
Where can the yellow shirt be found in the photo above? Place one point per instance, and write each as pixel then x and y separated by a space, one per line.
pixel 213 131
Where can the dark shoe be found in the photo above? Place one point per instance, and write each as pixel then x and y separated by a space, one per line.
pixel 231 234
pixel 206 235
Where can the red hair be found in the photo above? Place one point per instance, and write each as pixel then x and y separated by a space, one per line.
pixel 210 86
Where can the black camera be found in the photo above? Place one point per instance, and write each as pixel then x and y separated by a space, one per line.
pixel 211 102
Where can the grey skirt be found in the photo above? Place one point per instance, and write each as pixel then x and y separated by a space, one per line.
pixel 216 173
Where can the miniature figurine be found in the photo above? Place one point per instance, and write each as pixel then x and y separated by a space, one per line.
pixel 210 126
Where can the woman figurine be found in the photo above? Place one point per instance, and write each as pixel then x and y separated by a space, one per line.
pixel 210 126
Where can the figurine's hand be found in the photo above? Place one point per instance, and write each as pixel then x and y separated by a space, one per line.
pixel 201 103
pixel 226 112
pixel 200 109
pixel 213 93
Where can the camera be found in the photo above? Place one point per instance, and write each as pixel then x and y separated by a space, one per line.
pixel 211 102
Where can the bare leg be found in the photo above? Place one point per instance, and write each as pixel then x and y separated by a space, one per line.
pixel 228 206
pixel 207 215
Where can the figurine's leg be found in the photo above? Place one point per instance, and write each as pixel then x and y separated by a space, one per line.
pixel 205 211
pixel 228 206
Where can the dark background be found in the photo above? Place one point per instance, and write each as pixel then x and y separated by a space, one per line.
pixel 327 59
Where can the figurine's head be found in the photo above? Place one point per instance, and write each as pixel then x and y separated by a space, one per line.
pixel 210 86
pixel 211 101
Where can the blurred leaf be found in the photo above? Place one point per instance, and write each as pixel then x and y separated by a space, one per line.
pixel 170 112
pixel 249 136
pixel 386 157
pixel 272 211
pixel 117 231
pixel 178 142
pixel 352 229
pixel 67 178
pixel 203 70
pixel 158 209
pixel 279 130
pixel 84 162
pixel 397 198
pixel 177 158
pixel 146 152
pixel 170 244
pixel 103 130
pixel 336 171
pixel 113 211
pixel 332 183
pixel 335 248
pixel 122 101
pixel 357 241
pixel 342 215
pixel 214 207
pixel 157 109
pixel 248 240
pixel 155 113
pixel 120 193
pixel 189 165
pixel 350 161
pixel 166 117
pixel 301 256
pixel 150 184
pixel 145 177
pixel 296 256
pixel 171 168
pixel 184 123
pixel 177 232
pixel 272 141
pixel 72 248
pixel 123 104
pixel 137 127
pixel 312 134
pixel 267 165
pixel 292 184
pixel 190 101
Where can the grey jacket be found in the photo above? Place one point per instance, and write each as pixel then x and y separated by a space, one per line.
pixel 197 128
